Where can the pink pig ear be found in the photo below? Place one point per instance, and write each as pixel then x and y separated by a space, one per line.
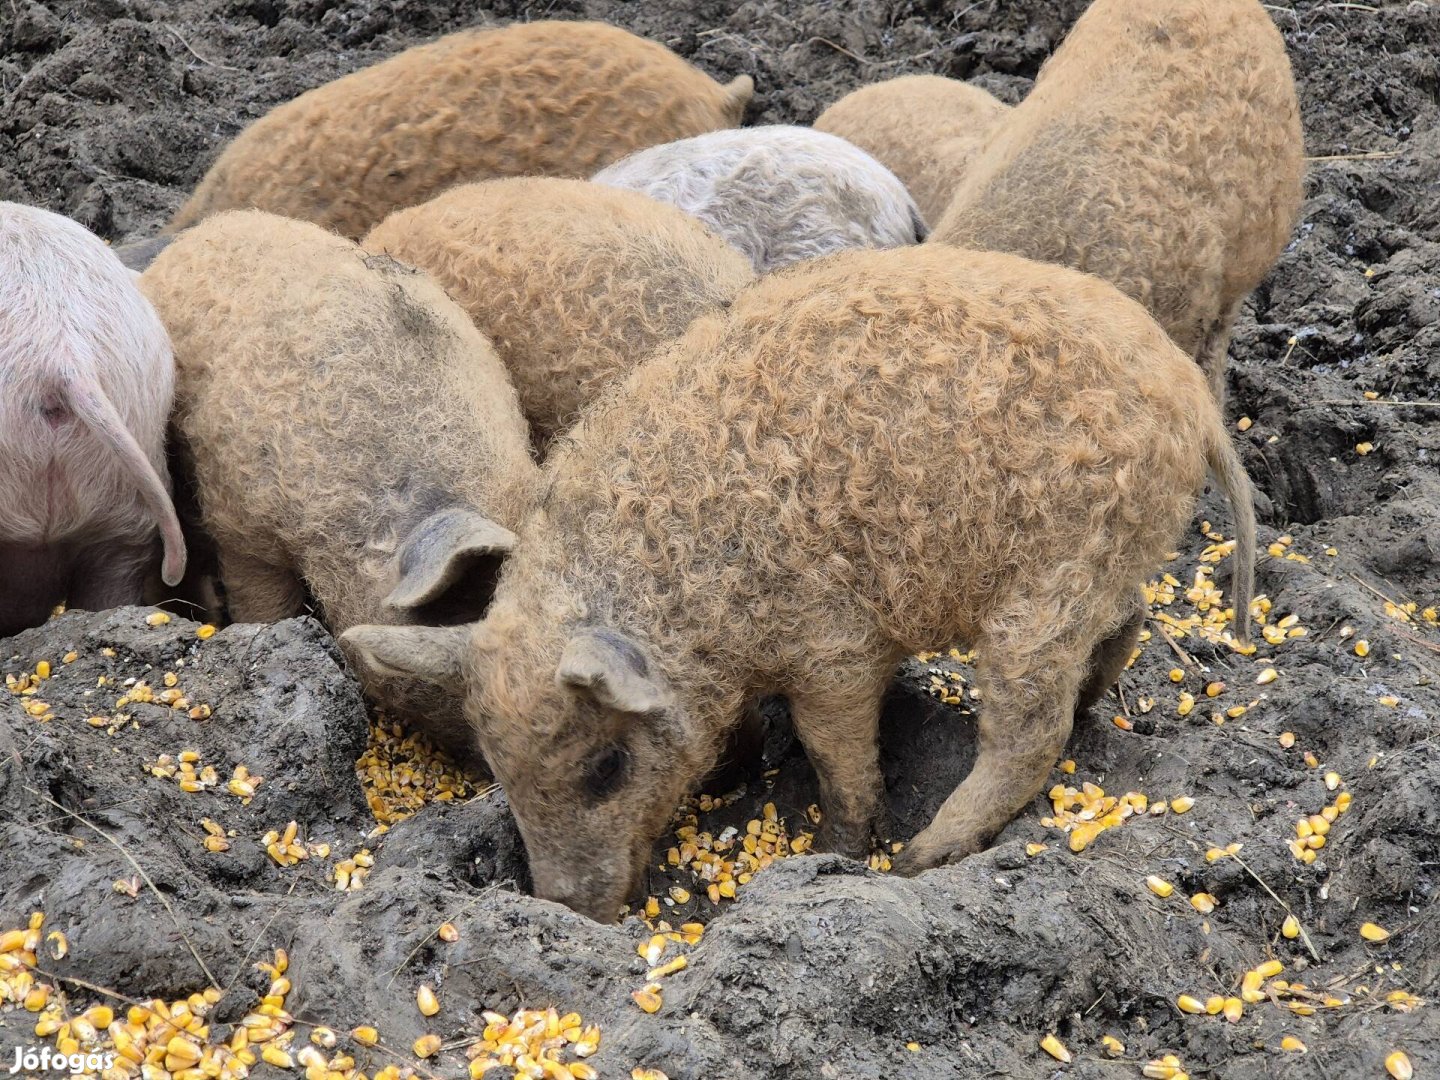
pixel 432 654
pixel 611 668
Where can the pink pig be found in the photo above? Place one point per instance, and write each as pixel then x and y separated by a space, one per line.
pixel 86 379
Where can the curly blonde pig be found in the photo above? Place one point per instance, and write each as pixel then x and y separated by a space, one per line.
pixel 86 379
pixel 779 194
pixel 926 129
pixel 755 510
pixel 1159 149
pixel 353 438
pixel 574 283
pixel 533 99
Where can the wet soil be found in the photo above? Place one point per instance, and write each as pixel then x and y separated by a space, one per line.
pixel 110 110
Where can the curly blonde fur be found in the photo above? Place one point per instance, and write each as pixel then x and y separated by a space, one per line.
pixel 779 194
pixel 873 454
pixel 545 98
pixel 926 129
pixel 1160 149
pixel 575 283
pixel 329 401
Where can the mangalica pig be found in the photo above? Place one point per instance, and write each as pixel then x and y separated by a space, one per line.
pixel 574 282
pixel 353 439
pixel 86 379
pixel 778 194
pixel 544 98
pixel 756 510
pixel 926 129
pixel 1161 150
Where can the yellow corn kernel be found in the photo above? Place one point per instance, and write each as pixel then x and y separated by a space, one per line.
pixel 273 1055
pixel 158 618
pixel 1362 647
pixel 1250 987
pixel 1182 804
pixel 1214 689
pixel 1067 766
pixel 1290 1042
pixel 679 895
pixel 1035 849
pixel 37 998
pixel 1342 802
pixel 1269 969
pixel 1159 886
pixel 426 1046
pixel 1177 674
pixel 427 1001
pixel 648 1000
pixel 580 1071
pixel 365 1036
pixel 1269 675
pixel 1311 761
pixel 1290 928
pixel 1185 704
pixel 1214 1005
pixel 1233 1009
pixel 1188 1004
pixel 1056 1049
pixel 650 951
pixel 1113 1046
pixel 324 1037
pixel 1287 739
pixel 652 905
pixel 102 1016
pixel 668 968
pixel 182 1050
pixel 1398 1066
pixel 1371 932
pixel 1332 780
pixel 1203 902
pixel 1123 723
pixel 448 932
pixel 1243 424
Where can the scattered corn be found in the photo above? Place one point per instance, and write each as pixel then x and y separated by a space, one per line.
pixel 1182 804
pixel 402 772
pixel 427 1002
pixel 1269 675
pixel 1056 1049
pixel 1373 933
pixel 1290 928
pixel 1203 902
pixel 1362 647
pixel 1188 1004
pixel 1159 886
pixel 448 932
pixel 158 618
pixel 365 1036
pixel 1291 1043
pixel 648 998
pixel 426 1046
pixel 1113 1046
pixel 1398 1066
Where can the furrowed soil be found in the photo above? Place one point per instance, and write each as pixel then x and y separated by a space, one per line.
pixel 110 110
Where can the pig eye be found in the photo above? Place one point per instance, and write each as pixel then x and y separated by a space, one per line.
pixel 607 773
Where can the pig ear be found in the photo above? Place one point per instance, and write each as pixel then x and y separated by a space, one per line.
pixel 432 654
pixel 611 667
pixel 437 552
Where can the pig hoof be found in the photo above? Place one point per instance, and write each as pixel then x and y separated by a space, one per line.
pixel 852 842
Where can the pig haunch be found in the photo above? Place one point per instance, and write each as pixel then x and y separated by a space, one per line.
pixel 86 378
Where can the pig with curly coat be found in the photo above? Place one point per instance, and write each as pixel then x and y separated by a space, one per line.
pixel 545 98
pixel 354 440
pixel 779 194
pixel 926 129
pixel 1161 150
pixel 755 510
pixel 574 282
pixel 86 378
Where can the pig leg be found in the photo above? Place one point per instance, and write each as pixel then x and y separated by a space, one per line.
pixel 110 575
pixel 839 728
pixel 1025 718
pixel 258 591
pixel 32 582
pixel 1110 657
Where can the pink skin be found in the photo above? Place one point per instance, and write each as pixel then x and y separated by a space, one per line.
pixel 86 380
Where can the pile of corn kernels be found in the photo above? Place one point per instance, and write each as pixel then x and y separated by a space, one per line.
pixel 401 772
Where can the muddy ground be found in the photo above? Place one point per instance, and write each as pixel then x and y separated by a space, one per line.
pixel 111 109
